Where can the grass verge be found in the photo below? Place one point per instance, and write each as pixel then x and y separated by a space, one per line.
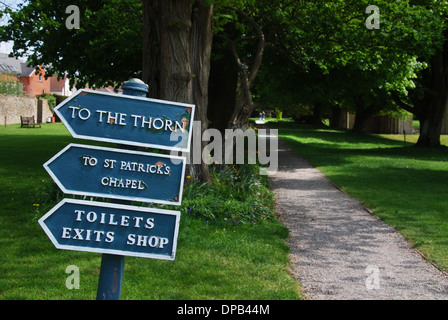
pixel 242 255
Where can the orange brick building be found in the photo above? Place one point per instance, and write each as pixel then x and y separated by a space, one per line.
pixel 34 84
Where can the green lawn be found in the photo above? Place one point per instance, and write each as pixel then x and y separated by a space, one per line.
pixel 214 260
pixel 407 187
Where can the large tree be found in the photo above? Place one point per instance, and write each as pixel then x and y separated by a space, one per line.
pixel 176 61
pixel 429 100
pixel 166 43
pixel 330 44
pixel 105 50
pixel 248 65
pixel 325 44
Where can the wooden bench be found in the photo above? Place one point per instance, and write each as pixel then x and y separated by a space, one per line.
pixel 28 122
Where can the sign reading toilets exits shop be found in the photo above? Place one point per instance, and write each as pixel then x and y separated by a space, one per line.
pixel 112 229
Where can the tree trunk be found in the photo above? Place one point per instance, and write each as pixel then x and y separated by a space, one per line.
pixel 222 88
pixel 430 105
pixel 244 105
pixel 176 62
pixel 358 126
pixel 430 130
pixel 175 65
pixel 151 49
pixel 335 116
pixel 431 115
pixel 316 119
pixel 361 115
pixel 363 112
pixel 200 53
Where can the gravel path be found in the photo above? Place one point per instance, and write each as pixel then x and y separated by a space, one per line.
pixel 339 251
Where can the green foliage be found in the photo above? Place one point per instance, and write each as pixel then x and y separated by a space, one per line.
pixel 9 86
pixel 278 113
pixel 52 102
pixel 238 194
pixel 322 52
pixel 105 50
pixel 225 15
pixel 59 98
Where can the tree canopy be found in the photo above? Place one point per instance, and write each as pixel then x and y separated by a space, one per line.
pixel 284 52
pixel 328 53
pixel 328 48
pixel 105 49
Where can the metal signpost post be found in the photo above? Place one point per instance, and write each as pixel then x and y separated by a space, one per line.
pixel 118 229
pixel 112 266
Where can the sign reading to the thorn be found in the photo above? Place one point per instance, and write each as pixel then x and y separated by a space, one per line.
pixel 100 116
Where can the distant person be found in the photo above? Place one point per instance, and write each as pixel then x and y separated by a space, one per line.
pixel 264 115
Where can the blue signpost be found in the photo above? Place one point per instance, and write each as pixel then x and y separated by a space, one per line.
pixel 118 174
pixel 117 229
pixel 130 120
pixel 112 228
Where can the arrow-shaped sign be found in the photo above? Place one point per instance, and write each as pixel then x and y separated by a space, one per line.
pixel 112 228
pixel 130 120
pixel 120 174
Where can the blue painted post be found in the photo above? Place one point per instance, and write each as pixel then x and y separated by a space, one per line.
pixel 111 277
pixel 135 87
pixel 112 266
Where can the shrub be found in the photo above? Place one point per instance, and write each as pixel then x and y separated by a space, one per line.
pixel 50 98
pixel 9 86
pixel 238 194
